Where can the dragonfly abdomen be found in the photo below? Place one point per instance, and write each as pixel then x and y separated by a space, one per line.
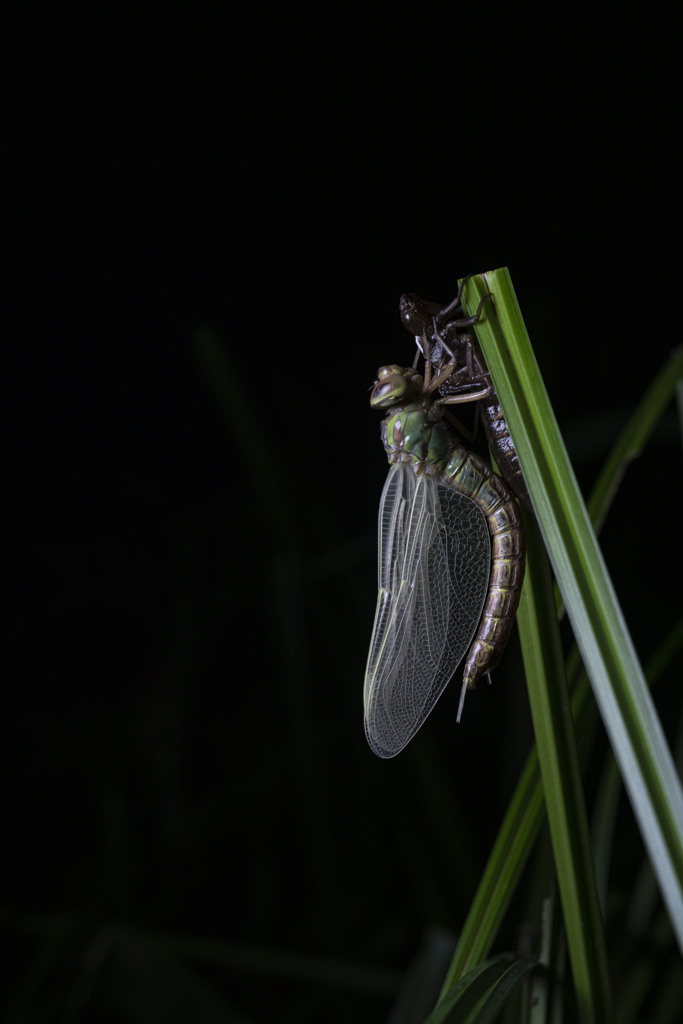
pixel 467 473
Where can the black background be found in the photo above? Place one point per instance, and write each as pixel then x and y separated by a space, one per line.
pixel 212 216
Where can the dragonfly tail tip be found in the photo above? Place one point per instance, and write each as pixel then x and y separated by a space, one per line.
pixel 462 699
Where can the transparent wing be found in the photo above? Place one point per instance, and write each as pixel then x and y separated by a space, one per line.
pixel 434 563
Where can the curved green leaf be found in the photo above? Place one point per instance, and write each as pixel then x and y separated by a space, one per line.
pixel 480 995
pixel 617 679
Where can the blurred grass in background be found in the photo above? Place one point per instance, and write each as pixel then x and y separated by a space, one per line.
pixel 217 842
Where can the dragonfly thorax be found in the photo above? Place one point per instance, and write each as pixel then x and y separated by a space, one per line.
pixel 416 432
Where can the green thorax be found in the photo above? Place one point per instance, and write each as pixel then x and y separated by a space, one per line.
pixel 417 432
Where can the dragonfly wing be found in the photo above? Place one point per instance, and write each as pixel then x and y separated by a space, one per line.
pixel 434 563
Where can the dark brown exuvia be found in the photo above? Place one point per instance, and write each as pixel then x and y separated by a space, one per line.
pixel 445 338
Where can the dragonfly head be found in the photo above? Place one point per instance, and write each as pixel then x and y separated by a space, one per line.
pixel 395 384
pixel 417 313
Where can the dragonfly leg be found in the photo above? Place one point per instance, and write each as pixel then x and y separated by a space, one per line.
pixel 465 396
pixel 452 306
pixel 447 310
pixel 443 374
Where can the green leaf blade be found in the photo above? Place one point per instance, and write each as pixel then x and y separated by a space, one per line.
pixel 605 644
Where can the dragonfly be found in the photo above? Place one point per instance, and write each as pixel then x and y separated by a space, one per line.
pixel 442 336
pixel 451 561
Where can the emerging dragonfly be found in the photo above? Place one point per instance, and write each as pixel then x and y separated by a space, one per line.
pixel 442 336
pixel 451 562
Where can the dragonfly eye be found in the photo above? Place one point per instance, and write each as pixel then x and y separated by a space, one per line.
pixel 394 384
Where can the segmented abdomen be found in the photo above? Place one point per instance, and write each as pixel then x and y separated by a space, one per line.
pixel 498 436
pixel 467 473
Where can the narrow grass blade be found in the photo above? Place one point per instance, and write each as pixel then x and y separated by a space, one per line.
pixel 480 995
pixel 633 438
pixel 556 745
pixel 420 984
pixel 617 679
pixel 609 788
pixel 526 811
pixel 514 842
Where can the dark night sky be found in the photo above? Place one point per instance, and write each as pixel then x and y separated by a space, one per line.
pixel 279 178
